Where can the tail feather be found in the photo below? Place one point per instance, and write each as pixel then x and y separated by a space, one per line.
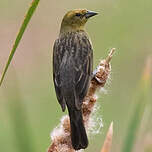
pixel 78 132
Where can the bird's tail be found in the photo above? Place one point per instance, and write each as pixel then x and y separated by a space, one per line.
pixel 78 132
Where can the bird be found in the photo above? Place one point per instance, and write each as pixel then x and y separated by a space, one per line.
pixel 72 70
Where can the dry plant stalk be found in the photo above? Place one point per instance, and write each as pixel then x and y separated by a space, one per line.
pixel 61 140
pixel 108 141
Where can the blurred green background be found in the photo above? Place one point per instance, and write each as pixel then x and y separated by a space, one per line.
pixel 28 106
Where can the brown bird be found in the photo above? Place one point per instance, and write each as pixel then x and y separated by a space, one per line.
pixel 72 70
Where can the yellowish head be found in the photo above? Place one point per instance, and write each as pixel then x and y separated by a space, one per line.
pixel 75 19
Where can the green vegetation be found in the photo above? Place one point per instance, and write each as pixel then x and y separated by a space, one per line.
pixel 142 99
pixel 19 35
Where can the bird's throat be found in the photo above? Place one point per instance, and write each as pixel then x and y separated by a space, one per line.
pixel 67 29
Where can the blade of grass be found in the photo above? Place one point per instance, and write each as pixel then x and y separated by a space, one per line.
pixel 143 94
pixel 108 140
pixel 26 20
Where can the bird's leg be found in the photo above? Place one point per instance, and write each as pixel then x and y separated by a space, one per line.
pixel 100 74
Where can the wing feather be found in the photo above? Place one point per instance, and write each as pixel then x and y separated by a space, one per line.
pixel 84 70
pixel 57 59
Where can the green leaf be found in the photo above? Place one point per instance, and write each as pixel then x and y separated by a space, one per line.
pixel 26 20
pixel 142 96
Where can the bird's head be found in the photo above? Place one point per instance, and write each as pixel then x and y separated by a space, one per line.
pixel 75 20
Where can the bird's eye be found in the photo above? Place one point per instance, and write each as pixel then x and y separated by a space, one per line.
pixel 78 14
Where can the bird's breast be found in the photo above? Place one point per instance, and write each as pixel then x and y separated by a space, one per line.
pixel 75 44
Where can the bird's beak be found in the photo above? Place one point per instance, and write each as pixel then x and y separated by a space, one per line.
pixel 90 14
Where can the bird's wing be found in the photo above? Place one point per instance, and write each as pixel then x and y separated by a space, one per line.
pixel 83 69
pixel 57 59
pixel 74 55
